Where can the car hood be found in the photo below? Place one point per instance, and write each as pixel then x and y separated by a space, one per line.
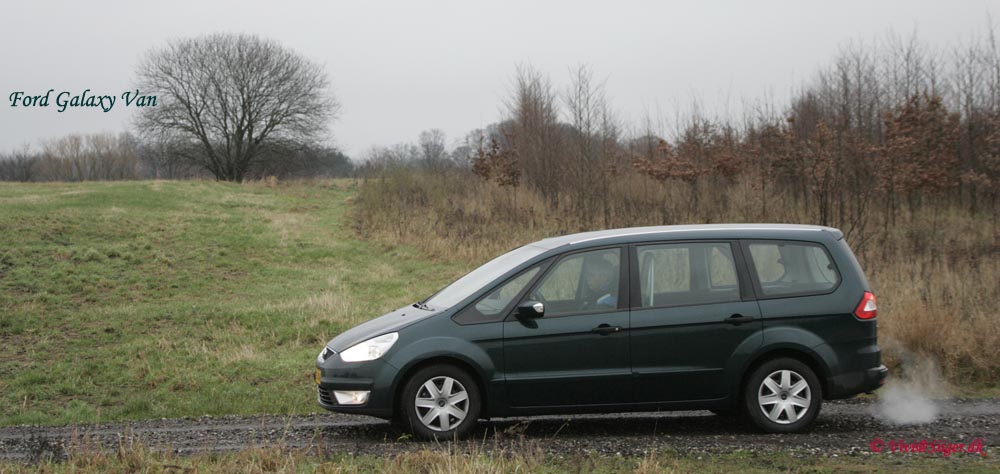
pixel 389 322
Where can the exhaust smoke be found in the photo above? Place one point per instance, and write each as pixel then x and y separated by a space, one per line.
pixel 911 393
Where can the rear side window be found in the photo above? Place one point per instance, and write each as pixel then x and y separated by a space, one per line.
pixel 793 268
pixel 686 274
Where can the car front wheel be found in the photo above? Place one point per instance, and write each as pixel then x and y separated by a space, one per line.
pixel 441 402
pixel 782 396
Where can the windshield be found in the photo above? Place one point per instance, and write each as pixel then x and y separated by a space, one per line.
pixel 476 279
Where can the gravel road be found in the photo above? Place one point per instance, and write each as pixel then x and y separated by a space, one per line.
pixel 843 428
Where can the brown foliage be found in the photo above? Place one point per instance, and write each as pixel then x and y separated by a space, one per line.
pixel 920 147
pixel 668 164
pixel 491 163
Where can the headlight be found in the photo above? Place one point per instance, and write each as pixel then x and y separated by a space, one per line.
pixel 371 349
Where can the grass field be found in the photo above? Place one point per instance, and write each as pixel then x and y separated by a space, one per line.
pixel 135 300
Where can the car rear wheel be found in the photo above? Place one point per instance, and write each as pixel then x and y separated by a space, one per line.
pixel 441 402
pixel 782 396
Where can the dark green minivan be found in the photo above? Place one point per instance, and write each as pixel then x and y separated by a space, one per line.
pixel 760 320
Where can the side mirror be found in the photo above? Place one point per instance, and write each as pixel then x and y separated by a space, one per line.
pixel 531 310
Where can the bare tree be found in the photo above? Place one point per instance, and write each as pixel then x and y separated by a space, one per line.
pixel 94 157
pixel 533 134
pixel 433 151
pixel 19 165
pixel 593 142
pixel 160 158
pixel 233 95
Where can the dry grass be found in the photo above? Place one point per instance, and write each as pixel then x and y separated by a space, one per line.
pixel 133 456
pixel 472 458
pixel 936 271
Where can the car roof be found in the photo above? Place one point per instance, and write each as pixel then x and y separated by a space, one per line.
pixel 688 232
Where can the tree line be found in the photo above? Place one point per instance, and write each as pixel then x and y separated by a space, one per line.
pixel 891 123
pixel 124 156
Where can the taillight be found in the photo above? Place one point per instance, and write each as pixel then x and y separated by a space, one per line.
pixel 867 309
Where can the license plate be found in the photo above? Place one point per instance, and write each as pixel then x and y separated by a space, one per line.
pixel 319 376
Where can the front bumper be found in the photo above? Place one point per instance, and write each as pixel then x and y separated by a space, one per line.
pixel 374 376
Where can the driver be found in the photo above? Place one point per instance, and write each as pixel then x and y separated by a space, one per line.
pixel 601 285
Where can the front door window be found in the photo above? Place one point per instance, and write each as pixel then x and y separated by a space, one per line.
pixel 581 283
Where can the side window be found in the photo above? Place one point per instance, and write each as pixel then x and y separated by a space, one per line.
pixel 687 273
pixel 793 268
pixel 491 306
pixel 579 283
pixel 721 268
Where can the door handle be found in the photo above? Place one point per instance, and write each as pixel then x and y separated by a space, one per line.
pixel 606 329
pixel 738 319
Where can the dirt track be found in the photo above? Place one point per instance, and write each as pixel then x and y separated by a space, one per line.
pixel 843 428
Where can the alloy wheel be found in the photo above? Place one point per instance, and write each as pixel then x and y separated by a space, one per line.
pixel 784 396
pixel 442 403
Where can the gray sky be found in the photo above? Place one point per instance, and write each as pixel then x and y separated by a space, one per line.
pixel 402 67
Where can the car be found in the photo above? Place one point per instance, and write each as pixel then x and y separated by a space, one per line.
pixel 764 321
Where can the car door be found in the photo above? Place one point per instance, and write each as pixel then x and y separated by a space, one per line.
pixel 577 352
pixel 692 313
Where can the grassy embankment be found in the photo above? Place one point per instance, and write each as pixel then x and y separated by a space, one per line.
pixel 135 300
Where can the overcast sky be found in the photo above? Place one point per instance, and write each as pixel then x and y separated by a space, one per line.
pixel 402 67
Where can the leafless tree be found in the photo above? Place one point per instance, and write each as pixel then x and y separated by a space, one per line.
pixel 160 157
pixel 533 133
pixel 433 150
pixel 94 157
pixel 592 142
pixel 19 165
pixel 233 95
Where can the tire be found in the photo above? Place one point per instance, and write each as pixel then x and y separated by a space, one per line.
pixel 433 415
pixel 782 405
